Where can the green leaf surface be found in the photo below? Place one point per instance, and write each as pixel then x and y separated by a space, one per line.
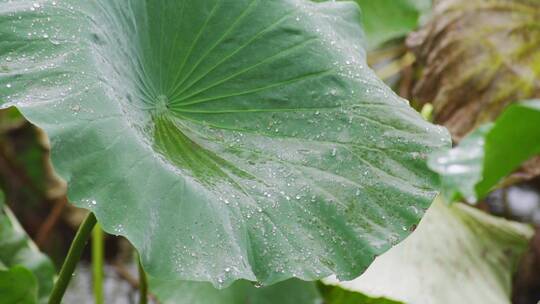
pixel 18 286
pixel 333 294
pixel 460 168
pixel 241 135
pixel 457 254
pixel 490 153
pixel 291 291
pixel 17 252
pixel 385 20
pixel 288 292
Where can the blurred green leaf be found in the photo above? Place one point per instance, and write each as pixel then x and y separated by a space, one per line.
pixel 288 292
pixel 334 294
pixel 487 155
pixel 10 118
pixel 292 291
pixel 385 20
pixel 460 168
pixel 18 286
pixel 458 254
pixel 16 249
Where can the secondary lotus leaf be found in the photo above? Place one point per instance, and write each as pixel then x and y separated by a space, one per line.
pixel 487 155
pixel 385 20
pixel 226 139
pixel 458 254
pixel 334 294
pixel 477 57
pixel 460 168
pixel 292 291
pixel 24 268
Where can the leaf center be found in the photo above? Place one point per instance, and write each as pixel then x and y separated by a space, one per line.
pixel 162 105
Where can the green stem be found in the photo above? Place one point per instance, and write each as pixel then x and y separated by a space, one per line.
pixel 97 264
pixel 73 257
pixel 143 284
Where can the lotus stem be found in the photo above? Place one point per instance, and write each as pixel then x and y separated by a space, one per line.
pixel 97 263
pixel 143 283
pixel 72 259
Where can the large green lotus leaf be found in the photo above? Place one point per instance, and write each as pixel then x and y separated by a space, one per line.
pixel 18 286
pixel 227 139
pixel 490 153
pixel 457 254
pixel 21 260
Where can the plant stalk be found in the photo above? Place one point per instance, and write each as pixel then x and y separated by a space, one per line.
pixel 73 257
pixel 97 263
pixel 143 283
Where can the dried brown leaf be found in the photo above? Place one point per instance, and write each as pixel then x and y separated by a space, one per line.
pixel 476 57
